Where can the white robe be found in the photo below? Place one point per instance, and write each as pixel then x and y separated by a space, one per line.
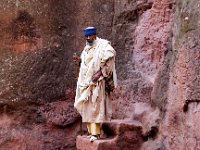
pixel 92 101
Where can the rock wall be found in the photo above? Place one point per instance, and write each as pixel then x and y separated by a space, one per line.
pixel 144 29
pixel 37 75
pixel 179 127
pixel 157 55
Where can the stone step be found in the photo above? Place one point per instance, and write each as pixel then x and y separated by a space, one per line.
pixel 120 134
pixel 83 143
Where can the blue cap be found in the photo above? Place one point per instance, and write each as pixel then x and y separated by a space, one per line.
pixel 89 31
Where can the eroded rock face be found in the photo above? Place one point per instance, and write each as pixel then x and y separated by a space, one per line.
pixel 39 128
pixel 180 129
pixel 144 29
pixel 35 51
pixel 118 134
pixel 37 78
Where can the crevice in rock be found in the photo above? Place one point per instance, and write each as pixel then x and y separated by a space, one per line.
pixel 151 134
pixel 187 102
pixel 109 132
pixel 141 8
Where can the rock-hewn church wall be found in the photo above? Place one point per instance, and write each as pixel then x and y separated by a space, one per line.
pixel 157 65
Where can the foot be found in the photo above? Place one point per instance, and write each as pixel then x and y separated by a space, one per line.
pixel 94 138
pixel 89 136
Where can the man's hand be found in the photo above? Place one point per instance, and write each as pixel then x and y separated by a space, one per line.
pixel 76 58
pixel 96 76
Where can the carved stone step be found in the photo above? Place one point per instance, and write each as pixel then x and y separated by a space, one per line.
pixel 120 134
pixel 83 143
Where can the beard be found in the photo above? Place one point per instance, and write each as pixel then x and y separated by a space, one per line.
pixel 90 42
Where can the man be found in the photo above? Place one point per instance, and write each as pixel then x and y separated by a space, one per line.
pixel 97 77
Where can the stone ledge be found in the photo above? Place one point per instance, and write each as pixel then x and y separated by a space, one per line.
pixel 115 127
pixel 121 134
pixel 83 143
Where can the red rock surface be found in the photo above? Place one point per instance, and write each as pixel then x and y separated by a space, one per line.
pixel 38 127
pixel 145 37
pixel 179 127
pixel 83 143
pixel 120 134
pixel 151 36
pixel 157 64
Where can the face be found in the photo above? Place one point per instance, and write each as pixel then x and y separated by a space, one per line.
pixel 90 39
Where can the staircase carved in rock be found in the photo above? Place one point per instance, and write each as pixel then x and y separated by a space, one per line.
pixel 118 135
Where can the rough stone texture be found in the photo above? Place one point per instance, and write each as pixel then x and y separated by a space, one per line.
pixel 37 77
pixel 125 22
pixel 39 127
pixel 152 34
pixel 120 134
pixel 144 29
pixel 83 143
pixel 180 129
pixel 148 116
pixel 33 136
pixel 34 50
